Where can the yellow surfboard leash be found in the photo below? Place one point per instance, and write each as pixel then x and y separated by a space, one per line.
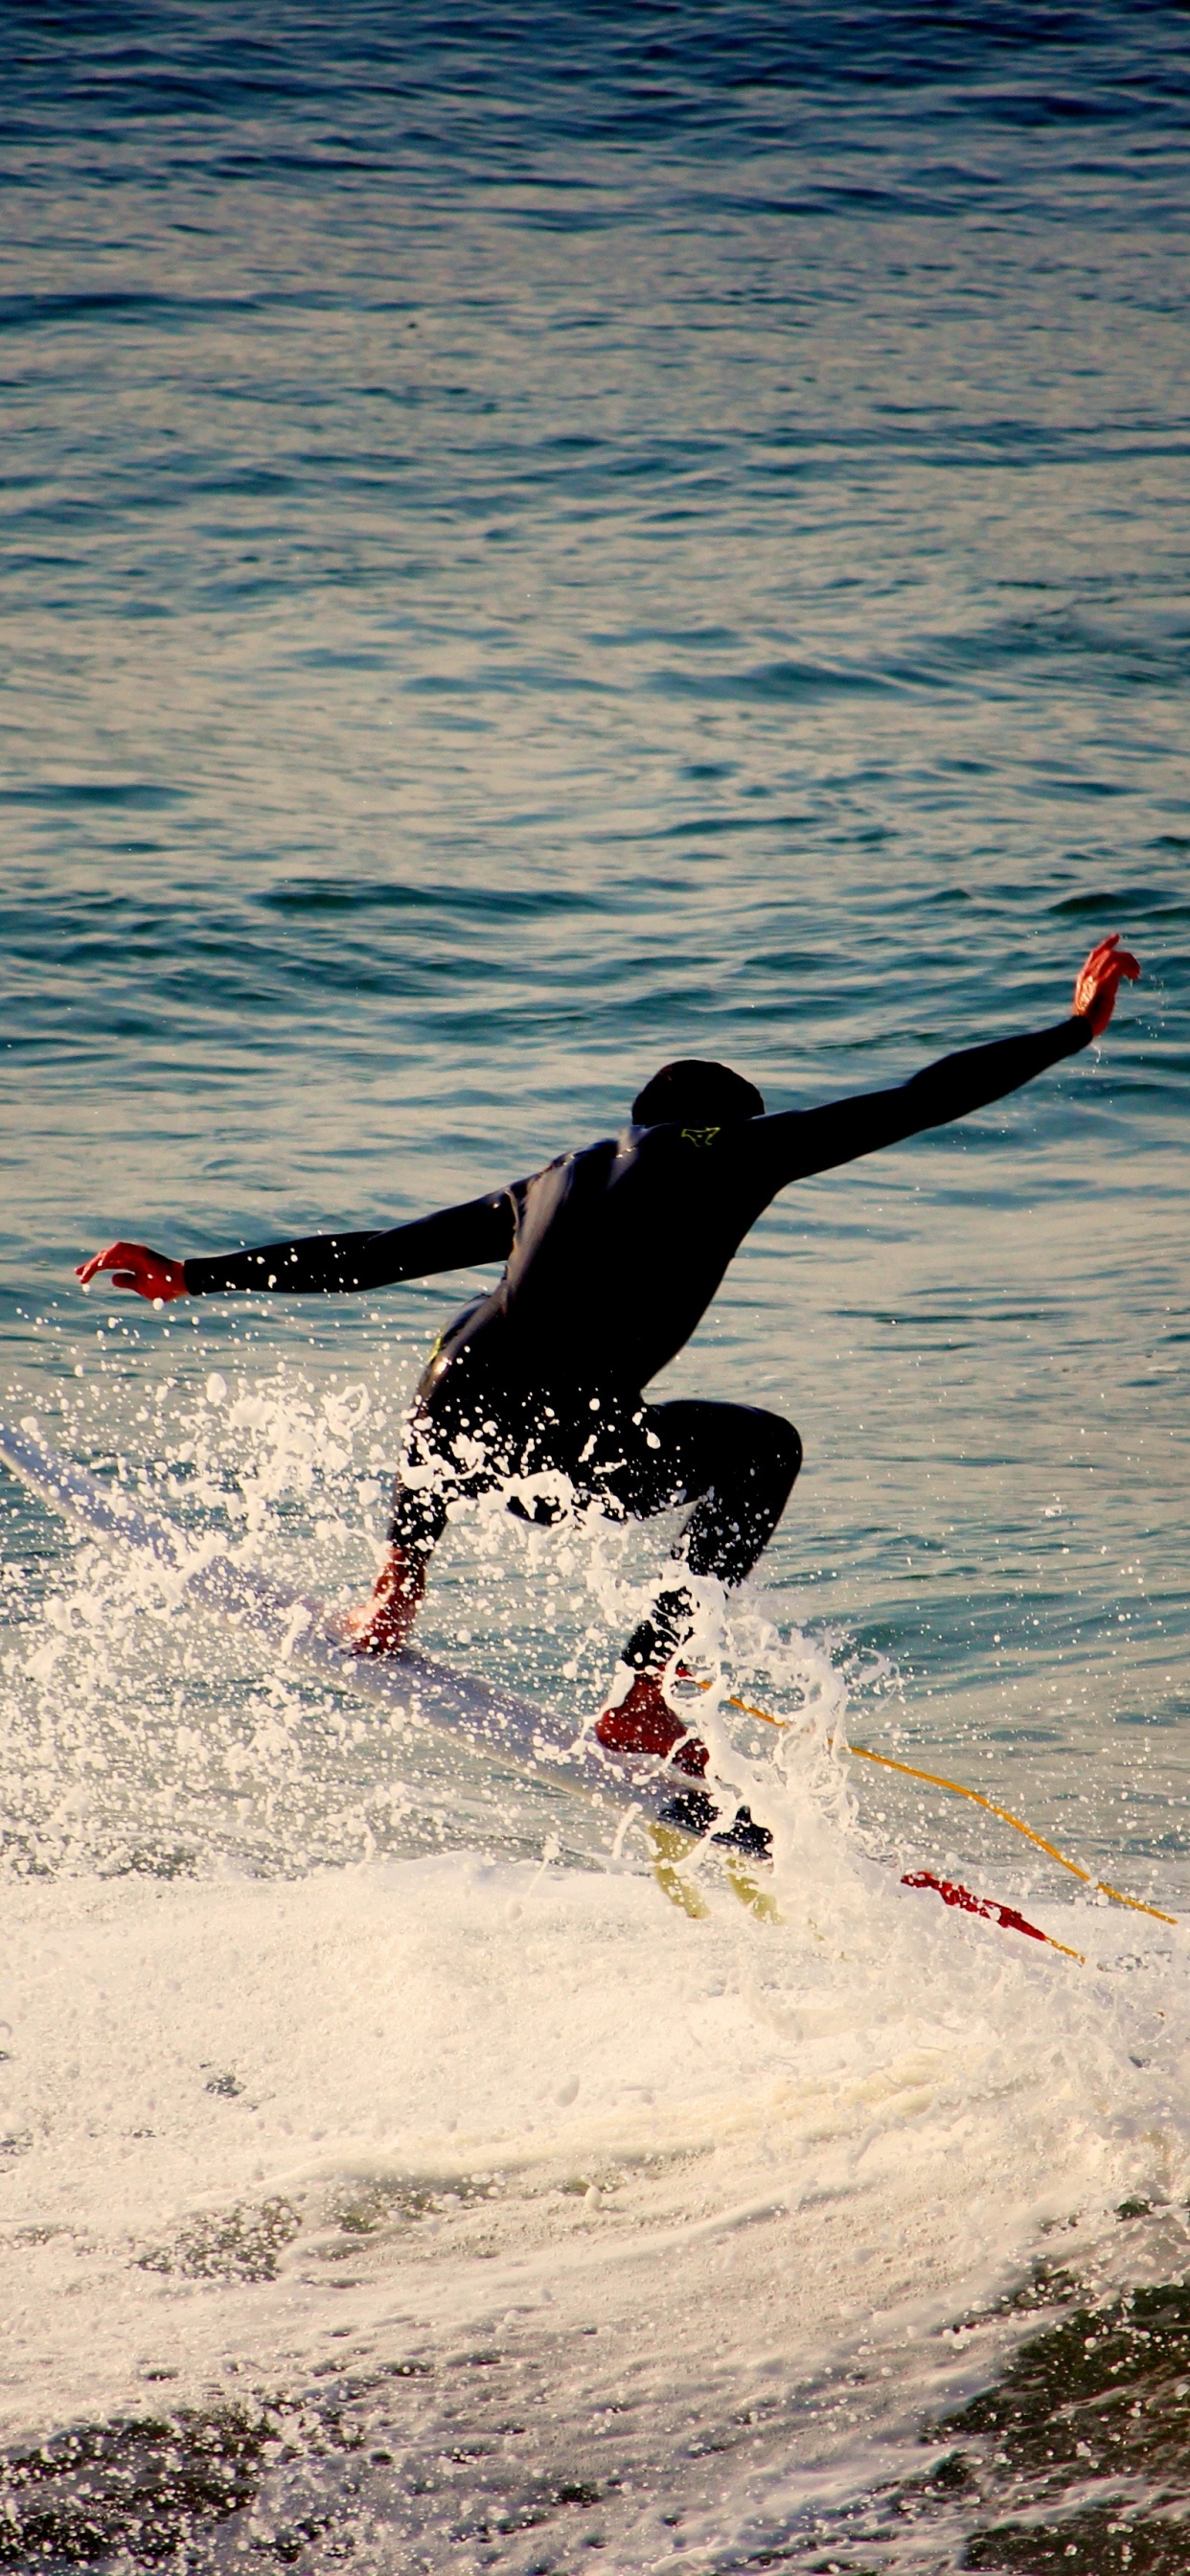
pixel 934 1780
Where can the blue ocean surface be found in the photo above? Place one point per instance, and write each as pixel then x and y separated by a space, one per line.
pixel 540 541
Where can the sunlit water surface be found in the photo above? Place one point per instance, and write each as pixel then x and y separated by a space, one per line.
pixel 539 543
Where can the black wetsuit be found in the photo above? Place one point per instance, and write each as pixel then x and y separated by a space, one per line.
pixel 612 1255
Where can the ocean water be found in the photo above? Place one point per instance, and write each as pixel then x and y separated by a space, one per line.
pixel 540 541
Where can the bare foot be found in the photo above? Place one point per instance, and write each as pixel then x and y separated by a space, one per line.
pixel 645 1723
pixel 381 1625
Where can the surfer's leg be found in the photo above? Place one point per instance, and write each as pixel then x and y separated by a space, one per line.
pixel 738 1465
pixel 429 1478
pixel 467 1439
pixel 382 1623
pixel 745 1463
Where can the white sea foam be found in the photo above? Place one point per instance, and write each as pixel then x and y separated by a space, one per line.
pixel 675 2171
pixel 257 2127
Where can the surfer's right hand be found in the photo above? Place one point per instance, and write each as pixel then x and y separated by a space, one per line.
pixel 1098 982
pixel 132 1265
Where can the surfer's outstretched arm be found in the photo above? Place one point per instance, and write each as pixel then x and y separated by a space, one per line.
pixel 321 1264
pixel 797 1142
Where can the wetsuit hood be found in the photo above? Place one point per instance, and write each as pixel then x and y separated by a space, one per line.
pixel 696 1094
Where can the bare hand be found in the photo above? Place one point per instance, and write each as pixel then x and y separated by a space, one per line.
pixel 132 1265
pixel 1098 982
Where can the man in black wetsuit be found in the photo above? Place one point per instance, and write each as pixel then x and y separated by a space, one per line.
pixel 611 1256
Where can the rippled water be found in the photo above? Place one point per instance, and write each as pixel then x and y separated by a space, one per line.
pixel 539 542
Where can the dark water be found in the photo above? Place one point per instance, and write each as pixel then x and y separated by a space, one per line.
pixel 541 541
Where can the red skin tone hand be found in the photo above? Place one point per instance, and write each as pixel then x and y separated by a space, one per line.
pixel 1098 982
pixel 132 1265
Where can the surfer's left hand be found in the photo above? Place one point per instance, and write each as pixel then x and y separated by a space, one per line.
pixel 132 1265
pixel 1098 982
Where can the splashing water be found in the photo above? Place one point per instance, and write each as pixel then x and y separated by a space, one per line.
pixel 310 2057
pixel 542 544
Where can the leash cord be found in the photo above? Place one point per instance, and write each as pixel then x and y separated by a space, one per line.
pixel 863 1753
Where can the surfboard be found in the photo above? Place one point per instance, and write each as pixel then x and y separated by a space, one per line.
pixel 515 1733
pixel 512 1735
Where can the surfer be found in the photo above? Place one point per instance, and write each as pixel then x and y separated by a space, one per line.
pixel 611 1256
